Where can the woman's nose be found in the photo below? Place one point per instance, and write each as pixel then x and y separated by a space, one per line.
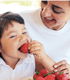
pixel 47 12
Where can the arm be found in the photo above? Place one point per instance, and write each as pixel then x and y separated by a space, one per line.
pixel 45 62
pixel 38 64
pixel 42 59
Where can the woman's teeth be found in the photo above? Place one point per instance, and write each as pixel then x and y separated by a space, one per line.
pixel 48 18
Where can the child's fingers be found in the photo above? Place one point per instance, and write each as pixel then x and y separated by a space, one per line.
pixel 34 42
pixel 35 49
pixel 35 52
pixel 35 45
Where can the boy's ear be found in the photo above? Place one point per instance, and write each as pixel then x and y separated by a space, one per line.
pixel 0 46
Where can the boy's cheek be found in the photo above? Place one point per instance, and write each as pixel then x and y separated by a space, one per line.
pixel 0 48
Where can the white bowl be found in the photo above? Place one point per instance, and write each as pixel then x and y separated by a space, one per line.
pixel 27 78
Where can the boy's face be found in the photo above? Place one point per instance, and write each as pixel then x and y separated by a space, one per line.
pixel 55 14
pixel 12 39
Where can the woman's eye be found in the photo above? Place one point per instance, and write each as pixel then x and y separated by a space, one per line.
pixel 56 10
pixel 13 36
pixel 24 32
pixel 45 2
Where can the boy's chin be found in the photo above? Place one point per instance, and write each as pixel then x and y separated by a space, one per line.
pixel 23 56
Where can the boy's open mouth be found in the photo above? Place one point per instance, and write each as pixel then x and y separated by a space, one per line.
pixel 19 48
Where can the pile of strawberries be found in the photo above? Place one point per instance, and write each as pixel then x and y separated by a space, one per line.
pixel 45 75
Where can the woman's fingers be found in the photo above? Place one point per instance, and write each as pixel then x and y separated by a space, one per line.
pixel 60 63
pixel 62 66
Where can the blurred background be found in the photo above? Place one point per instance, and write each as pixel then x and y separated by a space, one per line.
pixel 18 5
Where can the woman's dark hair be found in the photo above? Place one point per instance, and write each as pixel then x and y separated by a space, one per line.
pixel 45 1
pixel 6 19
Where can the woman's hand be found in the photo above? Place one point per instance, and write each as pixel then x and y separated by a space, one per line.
pixel 37 48
pixel 62 66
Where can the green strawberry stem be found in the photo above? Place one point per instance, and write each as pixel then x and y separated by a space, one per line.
pixel 52 72
pixel 37 72
pixel 29 50
pixel 60 72
pixel 45 75
pixel 49 73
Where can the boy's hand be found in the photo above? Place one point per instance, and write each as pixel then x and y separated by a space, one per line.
pixel 62 66
pixel 37 48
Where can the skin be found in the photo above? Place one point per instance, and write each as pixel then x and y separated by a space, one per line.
pixel 58 23
pixel 13 38
pixel 60 15
pixel 37 48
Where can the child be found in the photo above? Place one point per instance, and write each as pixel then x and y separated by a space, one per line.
pixel 15 65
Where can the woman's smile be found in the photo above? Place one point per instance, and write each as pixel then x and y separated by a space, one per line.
pixel 48 20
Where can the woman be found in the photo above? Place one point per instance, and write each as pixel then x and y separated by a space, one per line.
pixel 50 25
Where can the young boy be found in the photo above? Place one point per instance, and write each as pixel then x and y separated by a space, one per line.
pixel 14 64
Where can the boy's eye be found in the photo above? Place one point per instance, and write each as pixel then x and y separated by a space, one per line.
pixel 24 32
pixel 45 2
pixel 13 36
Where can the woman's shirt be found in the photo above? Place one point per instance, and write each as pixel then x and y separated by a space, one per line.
pixel 56 43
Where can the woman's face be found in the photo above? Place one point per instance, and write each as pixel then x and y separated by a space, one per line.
pixel 55 14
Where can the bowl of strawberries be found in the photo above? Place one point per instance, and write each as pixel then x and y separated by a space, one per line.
pixel 45 75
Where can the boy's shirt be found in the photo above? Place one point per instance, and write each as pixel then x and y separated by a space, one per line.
pixel 24 68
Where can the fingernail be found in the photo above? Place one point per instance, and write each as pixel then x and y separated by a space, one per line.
pixel 55 70
pixel 55 66
pixel 28 47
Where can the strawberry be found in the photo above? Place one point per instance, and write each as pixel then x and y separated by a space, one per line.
pixel 24 48
pixel 40 78
pixel 56 73
pixel 43 72
pixel 61 76
pixel 50 77
pixel 36 75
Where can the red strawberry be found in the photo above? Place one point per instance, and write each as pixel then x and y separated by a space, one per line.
pixel 40 78
pixel 36 75
pixel 24 48
pixel 43 72
pixel 56 73
pixel 50 77
pixel 61 76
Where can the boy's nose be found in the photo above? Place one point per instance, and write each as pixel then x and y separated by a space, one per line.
pixel 21 38
pixel 47 12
